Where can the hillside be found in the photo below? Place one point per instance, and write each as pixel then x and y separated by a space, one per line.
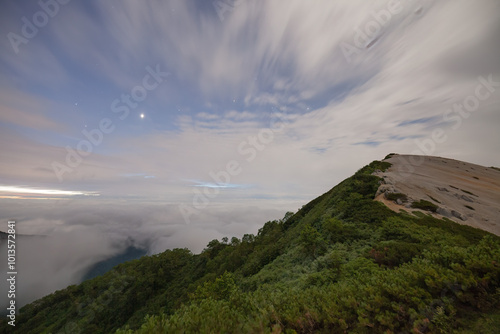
pixel 463 192
pixel 343 263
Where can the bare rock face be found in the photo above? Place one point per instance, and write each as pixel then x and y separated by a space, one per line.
pixel 463 192
pixel 444 212
pixel 465 198
pixel 458 215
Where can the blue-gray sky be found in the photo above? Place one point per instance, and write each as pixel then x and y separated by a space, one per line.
pixel 225 114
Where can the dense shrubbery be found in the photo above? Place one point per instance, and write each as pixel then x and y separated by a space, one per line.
pixel 342 263
pixel 433 292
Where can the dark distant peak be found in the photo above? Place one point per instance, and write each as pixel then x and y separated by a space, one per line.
pixel 3 235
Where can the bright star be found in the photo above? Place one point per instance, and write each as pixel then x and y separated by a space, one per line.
pixel 142 115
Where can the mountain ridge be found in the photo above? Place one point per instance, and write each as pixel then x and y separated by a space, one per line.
pixel 342 263
pixel 463 192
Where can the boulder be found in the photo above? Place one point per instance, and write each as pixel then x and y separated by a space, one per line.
pixel 444 212
pixel 468 199
pixel 458 215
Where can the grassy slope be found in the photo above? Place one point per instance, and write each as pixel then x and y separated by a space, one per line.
pixel 342 262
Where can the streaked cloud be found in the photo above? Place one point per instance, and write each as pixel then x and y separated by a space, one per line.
pixel 21 192
pixel 220 185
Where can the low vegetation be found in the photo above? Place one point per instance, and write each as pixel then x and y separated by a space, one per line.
pixel 342 263
pixel 468 192
pixel 396 196
pixel 435 200
pixel 424 205
pixel 390 155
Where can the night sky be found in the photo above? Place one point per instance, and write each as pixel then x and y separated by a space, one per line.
pixel 170 123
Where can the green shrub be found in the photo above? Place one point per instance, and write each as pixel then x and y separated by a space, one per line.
pixel 396 196
pixel 424 205
pixel 394 253
pixel 389 155
pixel 312 241
pixel 435 200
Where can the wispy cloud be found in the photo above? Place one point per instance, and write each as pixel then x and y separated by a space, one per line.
pixel 22 192
pixel 220 185
pixel 419 121
pixel 28 111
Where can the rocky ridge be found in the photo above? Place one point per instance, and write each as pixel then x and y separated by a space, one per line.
pixel 463 192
